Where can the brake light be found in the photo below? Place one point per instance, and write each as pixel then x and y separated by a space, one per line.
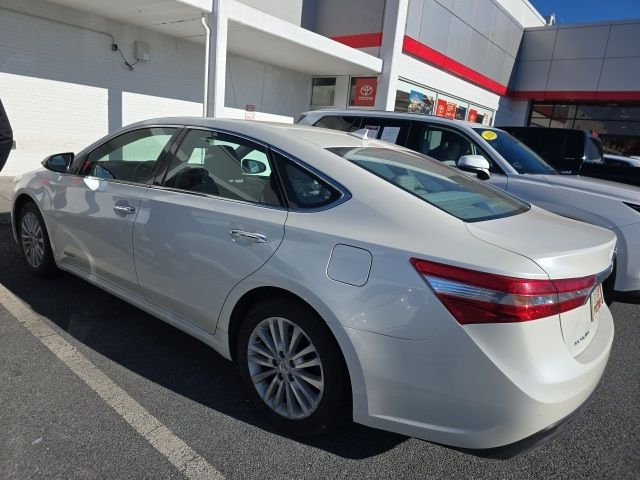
pixel 480 297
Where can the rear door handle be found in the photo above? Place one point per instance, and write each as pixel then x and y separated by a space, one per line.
pixel 254 237
pixel 124 209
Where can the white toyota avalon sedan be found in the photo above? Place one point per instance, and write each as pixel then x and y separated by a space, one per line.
pixel 346 277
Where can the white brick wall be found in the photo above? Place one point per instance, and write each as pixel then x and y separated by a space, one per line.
pixel 63 87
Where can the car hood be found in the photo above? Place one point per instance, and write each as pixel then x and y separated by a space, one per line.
pixel 562 247
pixel 620 191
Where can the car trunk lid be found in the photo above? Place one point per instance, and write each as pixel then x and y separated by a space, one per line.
pixel 564 249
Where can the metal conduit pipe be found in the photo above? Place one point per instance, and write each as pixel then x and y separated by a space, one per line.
pixel 207 30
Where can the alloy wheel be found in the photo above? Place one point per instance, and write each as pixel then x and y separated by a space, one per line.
pixel 285 368
pixel 32 238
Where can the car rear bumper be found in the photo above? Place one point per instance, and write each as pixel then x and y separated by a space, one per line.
pixel 473 387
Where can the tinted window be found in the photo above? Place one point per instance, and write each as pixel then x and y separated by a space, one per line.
pixel 445 188
pixel 303 188
pixel 445 145
pixel 223 165
pixel 344 124
pixel 129 157
pixel 516 153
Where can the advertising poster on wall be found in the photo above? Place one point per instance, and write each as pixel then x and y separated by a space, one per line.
pixel 473 115
pixel 442 108
pixel 419 103
pixel 451 110
pixel 461 113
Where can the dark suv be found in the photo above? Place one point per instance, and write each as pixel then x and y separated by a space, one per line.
pixel 573 152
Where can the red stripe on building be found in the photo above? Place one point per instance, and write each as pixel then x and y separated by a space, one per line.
pixel 427 54
pixel 575 95
pixel 361 40
pixel 437 59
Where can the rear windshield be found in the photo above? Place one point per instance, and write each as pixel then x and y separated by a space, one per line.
pixel 516 153
pixel 443 187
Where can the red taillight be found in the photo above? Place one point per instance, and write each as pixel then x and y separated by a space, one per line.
pixel 480 297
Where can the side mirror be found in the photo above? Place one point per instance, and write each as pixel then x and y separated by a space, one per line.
pixel 476 164
pixel 253 167
pixel 60 162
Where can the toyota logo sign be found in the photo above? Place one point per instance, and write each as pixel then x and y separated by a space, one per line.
pixel 366 90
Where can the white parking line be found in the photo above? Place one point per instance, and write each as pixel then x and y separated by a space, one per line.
pixel 173 448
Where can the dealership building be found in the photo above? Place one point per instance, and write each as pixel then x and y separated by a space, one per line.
pixel 72 71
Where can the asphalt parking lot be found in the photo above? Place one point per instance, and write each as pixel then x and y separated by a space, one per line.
pixel 55 425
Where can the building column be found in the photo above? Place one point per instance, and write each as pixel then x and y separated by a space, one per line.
pixel 393 25
pixel 217 61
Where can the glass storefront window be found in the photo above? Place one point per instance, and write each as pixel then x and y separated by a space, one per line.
pixel 323 91
pixel 616 123
pixel 414 98
pixel 480 115
pixel 452 108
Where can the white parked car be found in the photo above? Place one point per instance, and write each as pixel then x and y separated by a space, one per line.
pixel 515 168
pixel 356 279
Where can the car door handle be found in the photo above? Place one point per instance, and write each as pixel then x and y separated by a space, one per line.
pixel 124 209
pixel 254 237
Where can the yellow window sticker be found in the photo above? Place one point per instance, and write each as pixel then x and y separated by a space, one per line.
pixel 489 135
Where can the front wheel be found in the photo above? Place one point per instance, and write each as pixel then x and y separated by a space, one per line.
pixel 292 369
pixel 34 242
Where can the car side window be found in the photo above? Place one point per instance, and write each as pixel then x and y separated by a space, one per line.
pixel 334 122
pixel 303 189
pixel 223 165
pixel 445 145
pixel 448 145
pixel 129 157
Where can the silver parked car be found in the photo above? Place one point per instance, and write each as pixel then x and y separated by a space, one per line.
pixel 348 278
pixel 511 166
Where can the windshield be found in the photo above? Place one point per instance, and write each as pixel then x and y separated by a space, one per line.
pixel 516 153
pixel 444 187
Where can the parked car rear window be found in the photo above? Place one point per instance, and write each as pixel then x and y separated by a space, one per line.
pixel 443 187
pixel 516 153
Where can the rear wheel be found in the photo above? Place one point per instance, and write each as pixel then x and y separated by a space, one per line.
pixel 34 242
pixel 292 368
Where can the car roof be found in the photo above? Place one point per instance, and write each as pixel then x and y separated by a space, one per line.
pixel 270 132
pixel 386 114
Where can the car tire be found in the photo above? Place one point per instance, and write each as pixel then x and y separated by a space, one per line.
pixel 34 242
pixel 302 394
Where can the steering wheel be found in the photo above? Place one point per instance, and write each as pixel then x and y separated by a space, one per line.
pixel 143 168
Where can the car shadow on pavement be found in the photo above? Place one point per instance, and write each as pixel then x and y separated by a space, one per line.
pixel 158 351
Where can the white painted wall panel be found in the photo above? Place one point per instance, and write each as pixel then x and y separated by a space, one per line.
pixel 269 88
